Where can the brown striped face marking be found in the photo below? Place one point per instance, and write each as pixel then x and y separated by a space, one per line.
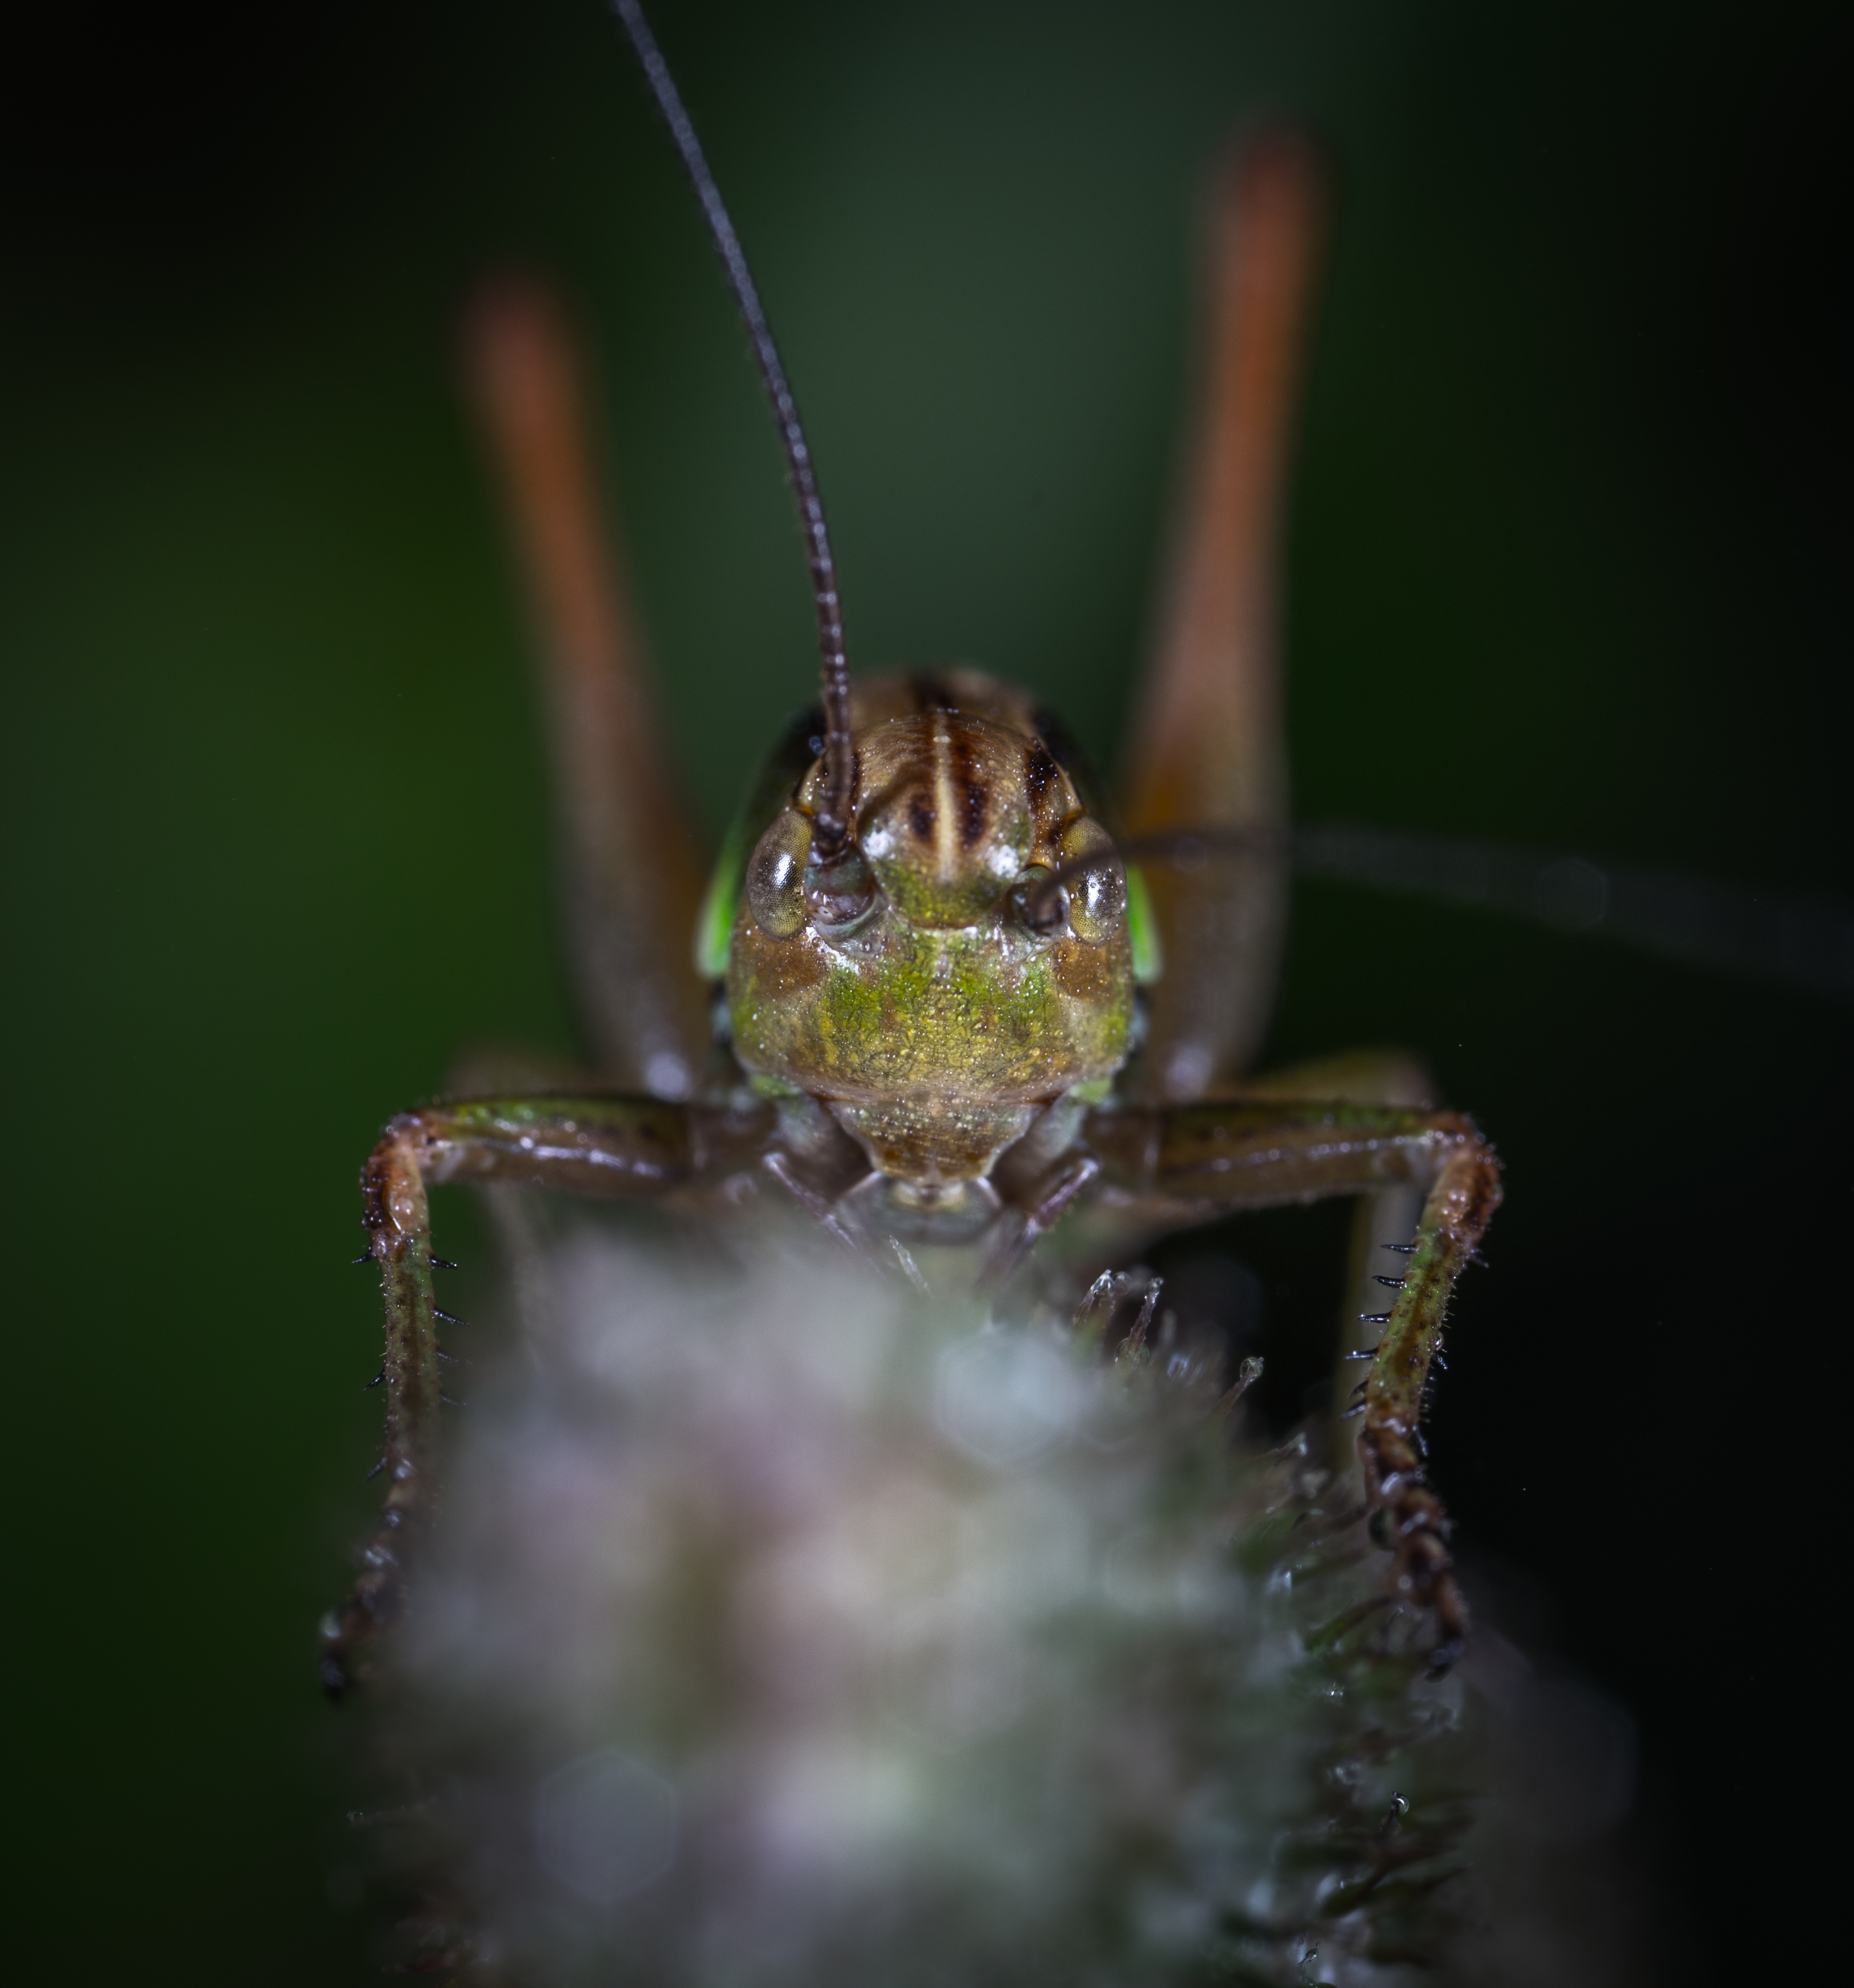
pixel 950 816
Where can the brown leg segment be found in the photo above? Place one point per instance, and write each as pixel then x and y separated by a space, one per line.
pixel 1187 1162
pixel 1408 1517
pixel 1208 752
pixel 1384 1221
pixel 610 1148
pixel 632 873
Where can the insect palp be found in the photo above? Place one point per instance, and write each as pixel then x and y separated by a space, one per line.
pixel 820 1210
pixel 833 821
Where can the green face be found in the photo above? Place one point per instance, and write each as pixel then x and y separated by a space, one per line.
pixel 934 986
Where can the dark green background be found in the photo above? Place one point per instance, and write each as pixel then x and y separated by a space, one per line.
pixel 1570 538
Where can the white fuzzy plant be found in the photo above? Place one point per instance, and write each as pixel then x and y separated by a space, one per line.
pixel 785 1627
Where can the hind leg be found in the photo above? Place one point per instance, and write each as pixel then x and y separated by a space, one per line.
pixel 1208 752
pixel 630 872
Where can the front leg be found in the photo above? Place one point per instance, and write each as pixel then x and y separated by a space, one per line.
pixel 610 1149
pixel 1194 1161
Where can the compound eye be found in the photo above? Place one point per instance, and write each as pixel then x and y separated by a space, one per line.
pixel 1094 880
pixel 1039 901
pixel 775 875
pixel 841 892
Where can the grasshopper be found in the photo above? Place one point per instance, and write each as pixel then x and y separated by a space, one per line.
pixel 876 972
pixel 933 1000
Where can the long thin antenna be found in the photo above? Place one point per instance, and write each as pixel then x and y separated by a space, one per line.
pixel 830 829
